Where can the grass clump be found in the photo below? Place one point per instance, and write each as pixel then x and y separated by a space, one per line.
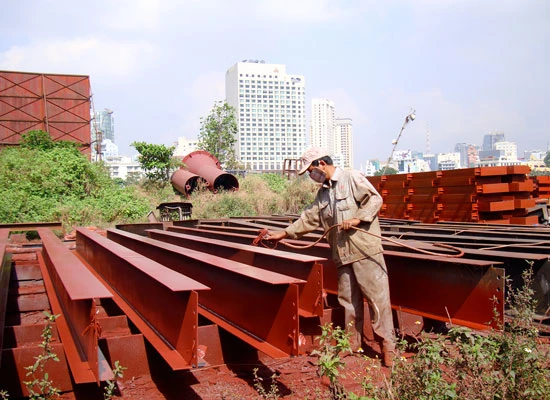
pixel 49 181
pixel 46 181
pixel 258 194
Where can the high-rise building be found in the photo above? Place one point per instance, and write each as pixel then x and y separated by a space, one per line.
pixel 448 161
pixel 105 122
pixel 490 139
pixel 468 154
pixel 103 127
pixel 509 150
pixel 322 124
pixel 271 114
pixel 331 133
pixel 344 140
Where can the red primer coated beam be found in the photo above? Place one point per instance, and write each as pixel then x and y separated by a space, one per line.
pixel 451 292
pixel 161 302
pixel 5 272
pixel 72 289
pixel 257 305
pixel 456 288
pixel 299 266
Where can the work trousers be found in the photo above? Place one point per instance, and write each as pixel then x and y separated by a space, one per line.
pixel 367 278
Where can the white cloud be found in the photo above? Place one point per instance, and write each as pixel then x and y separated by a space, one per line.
pixel 86 56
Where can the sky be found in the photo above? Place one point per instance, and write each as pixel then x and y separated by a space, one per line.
pixel 467 67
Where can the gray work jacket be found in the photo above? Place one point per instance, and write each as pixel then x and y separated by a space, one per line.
pixel 347 195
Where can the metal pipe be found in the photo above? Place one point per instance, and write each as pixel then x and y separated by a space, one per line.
pixel 186 182
pixel 204 164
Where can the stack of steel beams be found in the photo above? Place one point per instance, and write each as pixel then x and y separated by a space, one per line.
pixel 485 194
pixel 542 186
pixel 181 295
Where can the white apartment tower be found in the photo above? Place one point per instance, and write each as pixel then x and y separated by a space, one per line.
pixel 344 140
pixel 270 111
pixel 331 133
pixel 322 124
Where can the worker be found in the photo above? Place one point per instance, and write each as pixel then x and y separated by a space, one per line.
pixel 348 199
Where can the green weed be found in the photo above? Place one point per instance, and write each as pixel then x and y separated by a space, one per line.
pixel 334 341
pixel 41 387
pixel 272 393
pixel 110 388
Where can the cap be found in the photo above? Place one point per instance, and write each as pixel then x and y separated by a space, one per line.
pixel 310 155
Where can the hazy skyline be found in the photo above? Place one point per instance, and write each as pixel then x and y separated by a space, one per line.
pixel 467 67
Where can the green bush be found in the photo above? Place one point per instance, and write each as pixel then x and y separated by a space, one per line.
pixel 46 181
pixel 508 363
pixel 277 183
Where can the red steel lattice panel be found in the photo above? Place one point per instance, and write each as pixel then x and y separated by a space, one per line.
pixel 57 104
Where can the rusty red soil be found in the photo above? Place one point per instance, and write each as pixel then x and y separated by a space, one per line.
pixel 292 378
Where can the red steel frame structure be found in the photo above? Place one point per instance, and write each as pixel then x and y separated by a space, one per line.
pixel 55 103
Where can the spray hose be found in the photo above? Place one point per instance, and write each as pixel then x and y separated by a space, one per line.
pixel 261 239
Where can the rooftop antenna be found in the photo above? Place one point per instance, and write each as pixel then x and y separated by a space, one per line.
pixel 408 118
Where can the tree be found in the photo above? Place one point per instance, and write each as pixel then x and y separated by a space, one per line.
pixel 389 171
pixel 156 161
pixel 218 133
pixel 547 159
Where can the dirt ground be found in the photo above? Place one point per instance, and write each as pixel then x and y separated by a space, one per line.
pixel 292 378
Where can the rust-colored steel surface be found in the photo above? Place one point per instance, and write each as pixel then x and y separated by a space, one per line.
pixel 304 267
pixel 25 355
pixel 487 194
pixel 21 342
pixel 205 165
pixel 257 305
pixel 457 284
pixel 72 290
pixel 514 249
pixel 461 292
pixel 542 186
pixel 186 182
pixel 5 272
pixel 55 103
pixel 152 296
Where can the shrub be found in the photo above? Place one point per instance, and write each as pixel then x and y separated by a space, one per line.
pixel 44 181
pixel 258 194
pixel 508 363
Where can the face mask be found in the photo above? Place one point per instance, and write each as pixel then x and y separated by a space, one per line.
pixel 318 175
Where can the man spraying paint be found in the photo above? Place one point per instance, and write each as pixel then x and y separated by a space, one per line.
pixel 348 199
